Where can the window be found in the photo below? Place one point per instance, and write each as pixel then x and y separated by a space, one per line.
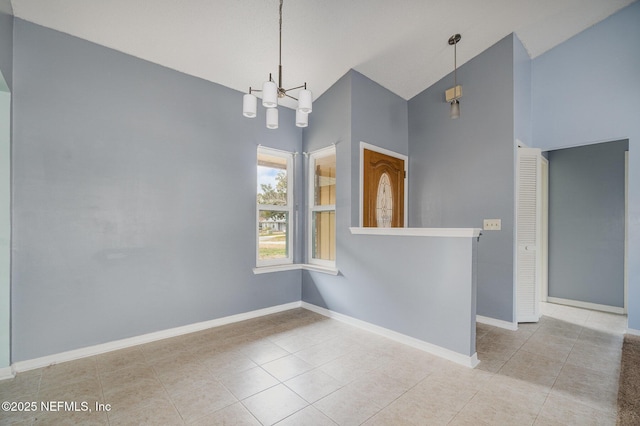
pixel 274 207
pixel 322 207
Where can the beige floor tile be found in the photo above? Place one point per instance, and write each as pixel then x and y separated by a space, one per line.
pixel 89 390
pixel 532 368
pixel 323 353
pixel 274 404
pixel 69 372
pixel 287 367
pixel 560 411
pixel 313 385
pixel 263 351
pixel 249 382
pixel 67 416
pixel 137 392
pixel 125 376
pixel 590 387
pixel 152 412
pixel 350 376
pixel 195 403
pixel 601 338
pixel 185 379
pixel 432 395
pixel 485 409
pixel 506 337
pixel 235 414
pixel 379 388
pixel 163 349
pixel 308 416
pixel 116 360
pixel 22 385
pixel 412 411
pixel 496 351
pixel 411 367
pixel 553 347
pixel 489 363
pixel 347 407
pixel 293 342
pixel 600 358
pixel 228 362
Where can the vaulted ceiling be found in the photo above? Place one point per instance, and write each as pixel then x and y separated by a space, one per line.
pixel 401 44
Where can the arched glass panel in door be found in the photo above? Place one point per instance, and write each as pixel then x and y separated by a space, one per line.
pixel 384 202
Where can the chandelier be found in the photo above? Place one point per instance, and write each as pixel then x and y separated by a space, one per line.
pixel 271 92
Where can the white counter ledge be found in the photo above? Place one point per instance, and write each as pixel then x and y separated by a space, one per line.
pixel 420 232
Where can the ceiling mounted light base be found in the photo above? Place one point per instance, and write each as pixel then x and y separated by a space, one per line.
pixel 454 39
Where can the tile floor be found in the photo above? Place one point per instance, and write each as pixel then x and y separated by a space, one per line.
pixel 299 368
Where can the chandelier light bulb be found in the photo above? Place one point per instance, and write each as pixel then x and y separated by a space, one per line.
pixel 272 118
pixel 305 100
pixel 269 94
pixel 302 119
pixel 249 105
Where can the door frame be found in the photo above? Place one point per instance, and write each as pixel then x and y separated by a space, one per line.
pixel 365 145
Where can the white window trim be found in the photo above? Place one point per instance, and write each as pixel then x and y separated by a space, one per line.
pixel 363 146
pixel 289 208
pixel 312 208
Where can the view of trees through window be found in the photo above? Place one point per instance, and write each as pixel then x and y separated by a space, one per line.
pixel 273 207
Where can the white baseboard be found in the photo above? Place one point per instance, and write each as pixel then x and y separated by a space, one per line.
pixel 45 361
pixel 7 373
pixel 633 331
pixel 467 361
pixel 586 305
pixel 513 326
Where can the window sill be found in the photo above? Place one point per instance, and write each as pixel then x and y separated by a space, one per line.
pixel 295 267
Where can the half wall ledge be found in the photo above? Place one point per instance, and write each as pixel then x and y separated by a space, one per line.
pixel 420 232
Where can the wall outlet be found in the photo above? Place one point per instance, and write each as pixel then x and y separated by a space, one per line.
pixel 492 224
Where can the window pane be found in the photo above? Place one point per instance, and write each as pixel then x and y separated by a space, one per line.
pixel 272 180
pixel 272 238
pixel 324 235
pixel 325 180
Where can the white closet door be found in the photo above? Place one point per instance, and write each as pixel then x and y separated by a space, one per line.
pixel 528 234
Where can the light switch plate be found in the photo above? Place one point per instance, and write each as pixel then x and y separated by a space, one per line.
pixel 492 224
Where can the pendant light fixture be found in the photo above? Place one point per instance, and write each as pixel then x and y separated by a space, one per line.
pixel 453 94
pixel 271 92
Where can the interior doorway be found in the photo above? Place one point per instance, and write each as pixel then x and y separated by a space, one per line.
pixel 587 227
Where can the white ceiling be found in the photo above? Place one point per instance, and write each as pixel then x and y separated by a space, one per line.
pixel 401 44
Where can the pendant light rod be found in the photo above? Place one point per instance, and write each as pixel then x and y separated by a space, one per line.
pixel 453 40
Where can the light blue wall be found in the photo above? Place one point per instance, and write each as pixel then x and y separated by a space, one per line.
pixel 421 287
pixel 134 197
pixel 586 223
pixel 462 171
pixel 5 224
pixel 586 90
pixel 521 93
pixel 6 71
pixel 6 41
pixel 379 118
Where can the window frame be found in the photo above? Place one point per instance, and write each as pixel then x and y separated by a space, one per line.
pixel 312 208
pixel 289 208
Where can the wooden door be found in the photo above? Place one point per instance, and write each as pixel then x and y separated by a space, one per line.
pixel 383 190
